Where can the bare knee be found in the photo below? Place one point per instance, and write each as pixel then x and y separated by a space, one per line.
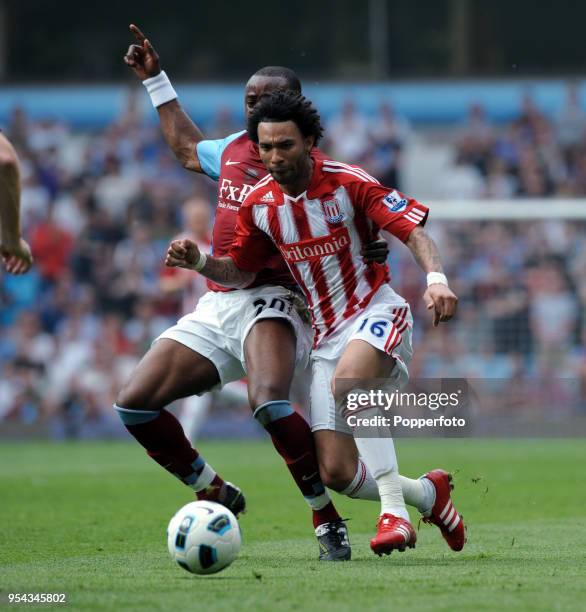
pixel 262 391
pixel 133 397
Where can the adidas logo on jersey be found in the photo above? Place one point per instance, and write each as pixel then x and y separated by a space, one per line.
pixel 268 197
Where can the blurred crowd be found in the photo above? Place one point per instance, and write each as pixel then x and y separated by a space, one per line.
pixel 99 211
pixel 100 208
pixel 532 156
pixel 522 300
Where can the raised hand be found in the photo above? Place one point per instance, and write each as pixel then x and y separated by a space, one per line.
pixel 182 254
pixel 141 56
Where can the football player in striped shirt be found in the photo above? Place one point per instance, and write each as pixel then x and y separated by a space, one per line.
pixel 256 330
pixel 318 214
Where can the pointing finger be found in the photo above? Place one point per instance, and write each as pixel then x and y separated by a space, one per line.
pixel 137 33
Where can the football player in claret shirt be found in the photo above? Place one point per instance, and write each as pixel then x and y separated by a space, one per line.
pixel 254 330
pixel 318 213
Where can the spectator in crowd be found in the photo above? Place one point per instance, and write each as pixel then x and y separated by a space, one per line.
pixel 348 134
pixel 463 180
pixel 51 245
pixel 571 121
pixel 531 156
pixel 388 135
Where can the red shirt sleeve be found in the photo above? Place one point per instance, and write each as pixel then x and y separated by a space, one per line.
pixel 251 247
pixel 391 210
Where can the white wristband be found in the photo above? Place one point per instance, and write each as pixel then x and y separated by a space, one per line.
pixel 200 263
pixel 434 278
pixel 160 89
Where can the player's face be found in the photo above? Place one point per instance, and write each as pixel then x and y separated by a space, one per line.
pixel 259 86
pixel 284 151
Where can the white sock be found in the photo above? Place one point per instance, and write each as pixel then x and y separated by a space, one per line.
pixel 391 495
pixel 202 477
pixel 363 485
pixel 419 493
pixel 378 454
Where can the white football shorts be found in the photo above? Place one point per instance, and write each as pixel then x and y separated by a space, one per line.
pixel 221 321
pixel 386 323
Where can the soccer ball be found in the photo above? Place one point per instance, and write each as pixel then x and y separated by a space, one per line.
pixel 203 537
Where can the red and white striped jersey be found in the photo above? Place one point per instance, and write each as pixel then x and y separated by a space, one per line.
pixel 320 234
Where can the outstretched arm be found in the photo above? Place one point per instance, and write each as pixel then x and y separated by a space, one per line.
pixel 181 134
pixel 16 253
pixel 438 295
pixel 222 270
pixel 404 218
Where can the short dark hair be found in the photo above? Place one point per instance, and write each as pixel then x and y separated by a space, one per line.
pixel 293 82
pixel 279 106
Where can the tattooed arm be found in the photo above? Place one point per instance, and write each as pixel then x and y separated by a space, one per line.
pixel 222 270
pixel 424 250
pixel 438 297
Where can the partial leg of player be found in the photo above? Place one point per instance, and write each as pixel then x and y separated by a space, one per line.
pixel 170 371
pixel 344 471
pixel 270 359
pixel 359 363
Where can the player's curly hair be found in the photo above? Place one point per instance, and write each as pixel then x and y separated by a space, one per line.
pixel 279 106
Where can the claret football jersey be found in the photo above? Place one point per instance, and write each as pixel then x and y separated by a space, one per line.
pixel 320 234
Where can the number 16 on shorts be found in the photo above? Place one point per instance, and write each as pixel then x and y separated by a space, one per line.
pixel 382 332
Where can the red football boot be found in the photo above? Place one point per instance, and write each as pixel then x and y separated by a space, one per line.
pixel 444 514
pixel 392 533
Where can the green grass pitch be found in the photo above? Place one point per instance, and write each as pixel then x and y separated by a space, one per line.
pixel 89 519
